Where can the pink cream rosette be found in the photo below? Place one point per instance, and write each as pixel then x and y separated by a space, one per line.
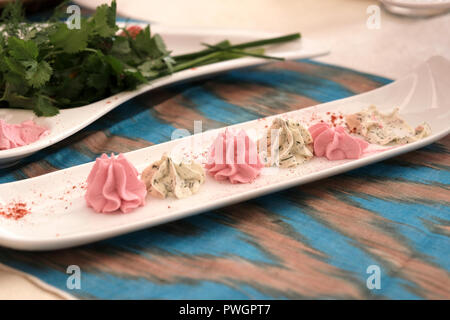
pixel 18 135
pixel 336 143
pixel 113 184
pixel 234 156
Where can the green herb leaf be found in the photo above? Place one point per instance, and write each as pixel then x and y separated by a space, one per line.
pixel 103 22
pixel 38 73
pixel 120 46
pixel 69 40
pixel 22 49
pixel 44 107
pixel 115 64
pixel 14 66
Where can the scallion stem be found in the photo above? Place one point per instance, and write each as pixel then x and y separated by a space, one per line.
pixel 245 45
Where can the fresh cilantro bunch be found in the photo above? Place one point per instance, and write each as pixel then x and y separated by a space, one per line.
pixel 48 66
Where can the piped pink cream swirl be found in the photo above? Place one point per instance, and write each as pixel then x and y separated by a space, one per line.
pixel 113 184
pixel 234 156
pixel 336 143
pixel 18 135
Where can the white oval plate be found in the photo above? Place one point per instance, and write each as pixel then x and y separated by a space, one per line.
pixel 179 40
pixel 59 217
pixel 441 4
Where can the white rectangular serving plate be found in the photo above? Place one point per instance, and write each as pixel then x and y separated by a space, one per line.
pixel 179 41
pixel 59 216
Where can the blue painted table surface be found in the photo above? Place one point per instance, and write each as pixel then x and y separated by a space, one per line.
pixel 313 241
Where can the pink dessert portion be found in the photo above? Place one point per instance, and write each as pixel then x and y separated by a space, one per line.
pixel 336 143
pixel 114 184
pixel 234 156
pixel 18 135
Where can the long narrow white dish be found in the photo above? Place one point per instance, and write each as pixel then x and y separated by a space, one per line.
pixel 59 217
pixel 179 40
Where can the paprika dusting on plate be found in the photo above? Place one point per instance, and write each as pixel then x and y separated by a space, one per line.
pixel 15 210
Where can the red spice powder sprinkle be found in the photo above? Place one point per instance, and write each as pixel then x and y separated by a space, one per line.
pixel 16 210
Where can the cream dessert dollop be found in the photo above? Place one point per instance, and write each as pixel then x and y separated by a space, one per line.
pixel 165 178
pixel 293 143
pixel 336 143
pixel 18 135
pixel 114 184
pixel 234 156
pixel 383 129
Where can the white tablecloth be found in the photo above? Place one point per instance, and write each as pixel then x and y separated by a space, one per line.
pixel 392 50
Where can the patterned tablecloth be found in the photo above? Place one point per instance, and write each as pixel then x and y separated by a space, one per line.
pixel 313 241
